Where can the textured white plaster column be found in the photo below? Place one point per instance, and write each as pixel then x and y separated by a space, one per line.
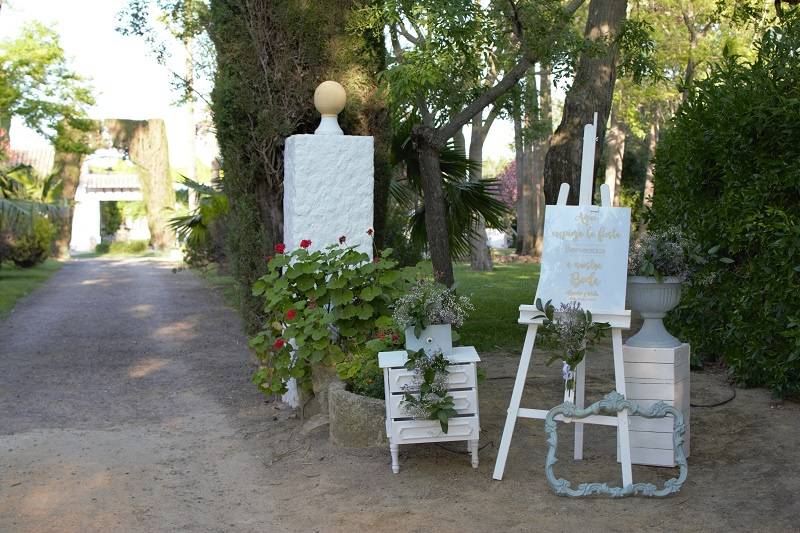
pixel 328 190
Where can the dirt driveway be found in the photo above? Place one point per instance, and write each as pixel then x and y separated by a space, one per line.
pixel 125 405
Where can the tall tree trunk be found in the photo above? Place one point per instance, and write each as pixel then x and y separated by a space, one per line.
pixel 480 257
pixel 146 142
pixel 539 152
pixel 435 216
pixel 615 154
pixel 526 189
pixel 519 165
pixel 383 173
pixel 652 142
pixel 591 92
pixel 68 167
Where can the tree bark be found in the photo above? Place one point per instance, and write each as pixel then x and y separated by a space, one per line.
pixel 591 92
pixel 68 167
pixel 480 257
pixel 652 142
pixel 526 180
pixel 146 142
pixel 615 154
pixel 519 165
pixel 540 149
pixel 435 217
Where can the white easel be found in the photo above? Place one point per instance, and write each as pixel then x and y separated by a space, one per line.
pixel 617 319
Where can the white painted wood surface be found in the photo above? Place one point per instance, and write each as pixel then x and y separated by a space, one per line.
pixel 462 386
pixel 653 375
pixel 609 308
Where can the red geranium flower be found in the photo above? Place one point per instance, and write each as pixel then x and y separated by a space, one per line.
pixel 342 239
pixel 395 338
pixel 291 314
pixel 280 248
pixel 305 243
pixel 279 344
pixel 381 336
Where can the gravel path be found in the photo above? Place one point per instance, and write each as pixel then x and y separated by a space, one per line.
pixel 118 379
pixel 126 405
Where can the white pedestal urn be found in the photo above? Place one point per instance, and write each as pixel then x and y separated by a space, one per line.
pixel 434 338
pixel 653 299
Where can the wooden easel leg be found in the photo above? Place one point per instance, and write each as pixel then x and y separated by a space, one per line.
pixel 513 407
pixel 580 393
pixel 622 416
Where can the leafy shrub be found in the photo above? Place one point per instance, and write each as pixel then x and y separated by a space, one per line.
pixel 360 370
pixel 327 304
pixel 111 218
pixel 33 247
pixel 122 247
pixel 727 171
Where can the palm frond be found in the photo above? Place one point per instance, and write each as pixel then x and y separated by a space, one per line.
pixel 465 201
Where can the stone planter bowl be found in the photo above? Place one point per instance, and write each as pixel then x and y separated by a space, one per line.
pixel 355 421
pixel 434 338
pixel 653 299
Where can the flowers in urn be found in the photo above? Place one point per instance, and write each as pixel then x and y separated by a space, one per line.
pixel 660 254
pixel 427 313
pixel 658 263
pixel 570 331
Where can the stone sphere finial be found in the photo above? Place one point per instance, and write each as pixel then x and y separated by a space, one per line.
pixel 329 99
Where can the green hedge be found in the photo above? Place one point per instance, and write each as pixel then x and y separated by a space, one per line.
pixel 728 172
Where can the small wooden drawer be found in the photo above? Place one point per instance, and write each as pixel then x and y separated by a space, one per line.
pixel 466 402
pixel 413 431
pixel 461 377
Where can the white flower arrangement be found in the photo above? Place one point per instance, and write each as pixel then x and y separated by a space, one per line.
pixel 430 303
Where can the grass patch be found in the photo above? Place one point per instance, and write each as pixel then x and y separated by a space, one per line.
pixel 224 282
pixel 496 295
pixel 16 282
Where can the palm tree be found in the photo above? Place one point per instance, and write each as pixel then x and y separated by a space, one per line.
pixel 196 227
pixel 465 201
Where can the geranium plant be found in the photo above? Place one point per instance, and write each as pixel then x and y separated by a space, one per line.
pixel 320 306
pixel 429 303
pixel 570 331
pixel 427 398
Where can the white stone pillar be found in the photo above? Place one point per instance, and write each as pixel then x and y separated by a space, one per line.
pixel 328 186
pixel 85 222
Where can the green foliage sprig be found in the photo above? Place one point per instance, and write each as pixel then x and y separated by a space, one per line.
pixel 571 331
pixel 320 306
pixel 431 401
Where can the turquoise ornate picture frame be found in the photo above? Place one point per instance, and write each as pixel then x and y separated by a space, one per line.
pixel 614 402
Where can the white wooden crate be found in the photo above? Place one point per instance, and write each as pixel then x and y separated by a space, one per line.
pixel 653 375
pixel 462 386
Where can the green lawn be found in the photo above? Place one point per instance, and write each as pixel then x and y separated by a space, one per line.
pixel 17 282
pixel 492 327
pixel 496 295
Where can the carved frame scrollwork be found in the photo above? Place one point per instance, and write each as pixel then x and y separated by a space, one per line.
pixel 614 402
